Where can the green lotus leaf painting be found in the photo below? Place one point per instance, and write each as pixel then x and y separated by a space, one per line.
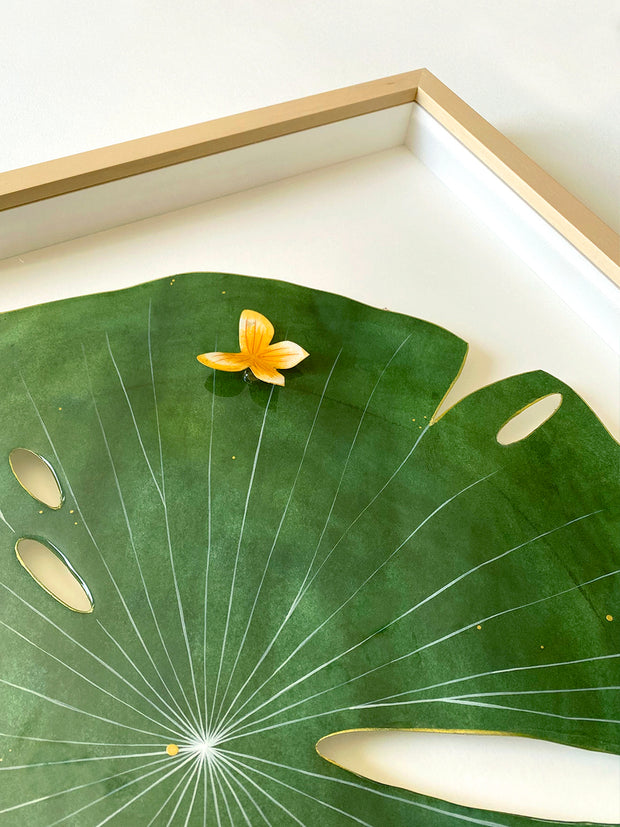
pixel 251 567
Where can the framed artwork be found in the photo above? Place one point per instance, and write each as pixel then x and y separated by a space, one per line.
pixel 240 513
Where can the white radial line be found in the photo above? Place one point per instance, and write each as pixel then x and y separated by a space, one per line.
pixel 371 790
pixel 408 611
pixel 169 797
pixel 530 711
pixel 232 735
pixel 201 770
pixel 156 771
pixel 82 760
pixel 419 701
pixel 137 429
pixel 303 793
pixel 452 698
pixel 92 683
pixel 292 721
pixel 300 591
pixel 205 778
pixel 273 800
pixel 224 722
pixel 346 462
pixel 87 527
pixel 234 575
pixel 227 722
pixel 182 719
pixel 363 511
pixel 139 795
pixel 83 648
pixel 161 456
pixel 351 597
pixel 162 495
pixel 208 562
pixel 286 619
pixel 4 520
pixel 235 796
pixel 78 743
pixel 159 443
pixel 376 704
pixel 216 805
pixel 413 702
pixel 380 702
pixel 561 691
pixel 216 775
pixel 193 771
pixel 181 612
pixel 81 786
pixel 384 701
pixel 226 772
pixel 273 545
pixel 64 705
pixel 240 806
pixel 491 617
pixel 167 522
pixel 133 548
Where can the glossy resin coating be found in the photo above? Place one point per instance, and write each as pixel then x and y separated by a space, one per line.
pixel 272 564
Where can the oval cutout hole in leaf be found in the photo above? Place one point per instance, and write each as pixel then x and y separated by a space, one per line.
pixel 36 476
pixel 54 573
pixel 507 774
pixel 529 419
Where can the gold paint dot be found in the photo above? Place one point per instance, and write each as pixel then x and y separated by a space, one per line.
pixel 234 457
pixel 542 647
pixel 223 292
pixel 74 523
pixel 609 617
pixel 478 627
pixel 71 511
pixel 172 749
pixel 60 409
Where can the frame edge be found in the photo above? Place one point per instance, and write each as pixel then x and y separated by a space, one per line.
pixel 569 216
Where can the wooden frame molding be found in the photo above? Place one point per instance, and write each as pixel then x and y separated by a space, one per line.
pixel 98 166
pixel 591 236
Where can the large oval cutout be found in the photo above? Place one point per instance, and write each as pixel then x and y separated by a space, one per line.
pixel 528 419
pixel 54 573
pixel 507 774
pixel 36 476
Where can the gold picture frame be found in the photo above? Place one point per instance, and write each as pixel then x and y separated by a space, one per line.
pixel 579 225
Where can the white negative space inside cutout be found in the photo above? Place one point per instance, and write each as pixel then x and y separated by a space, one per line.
pixel 36 476
pixel 491 772
pixel 53 572
pixel 529 419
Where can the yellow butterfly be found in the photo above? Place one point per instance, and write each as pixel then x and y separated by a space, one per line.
pixel 256 351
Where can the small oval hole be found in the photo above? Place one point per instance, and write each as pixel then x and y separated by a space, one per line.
pixel 507 774
pixel 528 419
pixel 36 476
pixel 54 573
